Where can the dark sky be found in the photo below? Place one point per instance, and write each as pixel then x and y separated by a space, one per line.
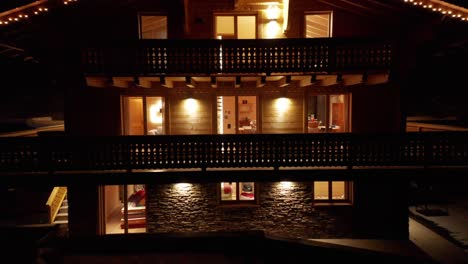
pixel 463 3
pixel 10 4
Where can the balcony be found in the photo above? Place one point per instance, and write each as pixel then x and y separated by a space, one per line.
pixel 226 153
pixel 211 56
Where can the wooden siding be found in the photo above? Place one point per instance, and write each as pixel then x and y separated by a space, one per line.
pixel 186 120
pixel 277 122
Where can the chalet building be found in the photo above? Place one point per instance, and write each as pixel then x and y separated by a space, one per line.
pixel 238 115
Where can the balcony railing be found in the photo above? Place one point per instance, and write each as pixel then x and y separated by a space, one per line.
pixel 210 56
pixel 65 153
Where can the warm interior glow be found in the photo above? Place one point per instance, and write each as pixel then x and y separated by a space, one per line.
pixel 247 114
pixel 225 25
pixel 226 106
pixel 338 190
pixel 273 30
pixel 246 191
pixel 155 116
pixel 153 27
pixel 273 12
pixel 321 190
pixel 318 25
pixel 228 191
pixel 133 116
pixel 282 105
pixel 155 113
pixel 246 27
pixel 285 14
pixel 114 209
pixel 191 105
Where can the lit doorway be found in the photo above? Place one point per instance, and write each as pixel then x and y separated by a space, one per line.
pixel 125 208
pixel 328 113
pixel 237 114
pixel 143 115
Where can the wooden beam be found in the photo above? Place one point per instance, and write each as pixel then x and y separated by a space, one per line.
pixel 22 8
pixel 386 5
pixel 328 2
pixel 358 6
pixel 198 176
pixel 187 21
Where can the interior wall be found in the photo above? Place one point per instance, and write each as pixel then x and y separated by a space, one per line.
pixel 229 115
pixel 112 199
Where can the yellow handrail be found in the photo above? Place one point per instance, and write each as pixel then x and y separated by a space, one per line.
pixel 55 200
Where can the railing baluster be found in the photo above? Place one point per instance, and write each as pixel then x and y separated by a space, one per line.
pixel 148 152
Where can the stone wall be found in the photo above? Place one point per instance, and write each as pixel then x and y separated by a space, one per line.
pixel 282 209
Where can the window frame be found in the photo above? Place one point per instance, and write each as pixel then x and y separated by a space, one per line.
pixel 140 24
pixel 330 21
pixel 123 197
pixel 327 121
pixel 349 194
pixel 235 15
pixel 237 202
pixel 145 112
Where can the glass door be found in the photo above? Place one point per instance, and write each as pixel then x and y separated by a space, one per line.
pixel 125 208
pixel 143 115
pixel 237 114
pixel 328 113
pixel 247 114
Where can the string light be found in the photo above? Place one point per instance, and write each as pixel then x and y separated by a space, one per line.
pixel 442 7
pixel 35 8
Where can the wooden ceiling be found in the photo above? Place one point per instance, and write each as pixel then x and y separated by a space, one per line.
pixel 318 25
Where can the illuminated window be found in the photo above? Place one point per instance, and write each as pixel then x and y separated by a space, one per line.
pixel 152 27
pixel 125 209
pixel 143 115
pixel 328 113
pixel 236 26
pixel 332 191
pixel 237 191
pixel 244 121
pixel 318 25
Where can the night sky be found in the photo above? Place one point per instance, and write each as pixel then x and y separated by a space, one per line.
pixel 10 4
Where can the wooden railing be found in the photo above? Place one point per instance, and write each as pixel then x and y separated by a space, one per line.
pixel 65 153
pixel 55 201
pixel 211 56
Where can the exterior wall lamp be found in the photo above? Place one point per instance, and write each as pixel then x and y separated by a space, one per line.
pixel 273 12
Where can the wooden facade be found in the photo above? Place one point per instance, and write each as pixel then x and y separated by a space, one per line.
pixel 357 73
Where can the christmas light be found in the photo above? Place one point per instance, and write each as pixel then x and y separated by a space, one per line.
pixel 444 8
pixel 34 8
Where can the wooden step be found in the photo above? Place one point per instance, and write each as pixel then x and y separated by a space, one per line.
pixel 63 209
pixel 61 216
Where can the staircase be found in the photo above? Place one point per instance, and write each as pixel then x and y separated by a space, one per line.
pixel 62 215
pixel 57 205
